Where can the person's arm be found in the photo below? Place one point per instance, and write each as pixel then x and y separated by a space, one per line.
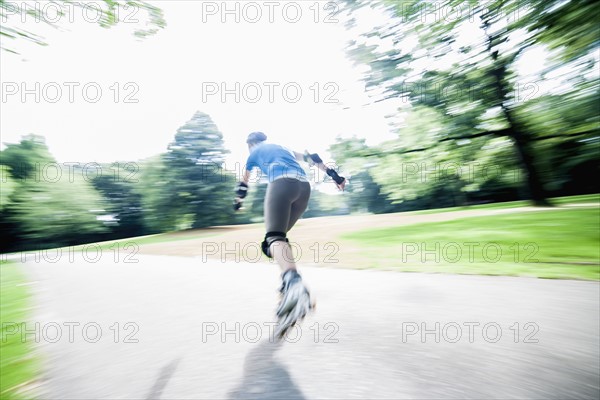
pixel 241 190
pixel 246 176
pixel 314 159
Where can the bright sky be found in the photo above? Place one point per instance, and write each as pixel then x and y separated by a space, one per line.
pixel 169 74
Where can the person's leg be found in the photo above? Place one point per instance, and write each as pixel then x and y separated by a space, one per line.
pixel 295 300
pixel 278 205
pixel 299 206
pixel 284 253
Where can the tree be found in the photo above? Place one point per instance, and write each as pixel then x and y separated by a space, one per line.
pixel 25 158
pixel 468 74
pixel 47 208
pixel 8 186
pixel 108 13
pixel 187 187
pixel 256 201
pixel 123 203
pixel 363 193
pixel 159 214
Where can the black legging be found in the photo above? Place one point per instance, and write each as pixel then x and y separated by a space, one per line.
pixel 285 202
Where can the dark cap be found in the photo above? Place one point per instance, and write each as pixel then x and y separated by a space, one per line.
pixel 256 137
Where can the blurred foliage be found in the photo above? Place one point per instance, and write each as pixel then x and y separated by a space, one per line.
pixel 322 204
pixel 571 26
pixel 111 12
pixel 363 194
pixel 254 204
pixel 451 68
pixel 123 204
pixel 46 204
pixel 8 185
pixel 23 158
pixel 47 207
pixel 187 186
pixel 469 129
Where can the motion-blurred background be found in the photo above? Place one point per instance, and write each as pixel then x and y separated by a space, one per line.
pixel 123 119
pixel 465 103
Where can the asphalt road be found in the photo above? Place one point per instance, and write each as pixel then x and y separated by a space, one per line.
pixel 175 328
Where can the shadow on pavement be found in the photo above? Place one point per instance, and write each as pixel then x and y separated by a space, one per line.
pixel 264 377
pixel 163 378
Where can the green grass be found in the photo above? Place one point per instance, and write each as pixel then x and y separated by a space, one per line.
pixel 18 365
pixel 152 239
pixel 490 206
pixel 584 198
pixel 140 240
pixel 559 243
pixel 557 201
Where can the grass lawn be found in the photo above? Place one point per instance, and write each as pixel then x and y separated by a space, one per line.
pixel 561 243
pixel 557 201
pixel 130 245
pixel 584 198
pixel 151 239
pixel 18 365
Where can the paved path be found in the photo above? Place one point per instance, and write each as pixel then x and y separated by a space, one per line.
pixel 364 341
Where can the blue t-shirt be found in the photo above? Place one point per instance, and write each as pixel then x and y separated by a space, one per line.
pixel 275 162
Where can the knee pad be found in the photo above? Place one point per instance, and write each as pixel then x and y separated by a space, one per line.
pixel 270 238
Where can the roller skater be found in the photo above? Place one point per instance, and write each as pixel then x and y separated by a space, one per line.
pixel 286 200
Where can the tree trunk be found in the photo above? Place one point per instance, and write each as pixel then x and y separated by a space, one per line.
pixel 534 184
pixel 519 135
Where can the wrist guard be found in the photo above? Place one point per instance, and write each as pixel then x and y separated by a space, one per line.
pixel 241 190
pixel 237 205
pixel 312 159
pixel 334 175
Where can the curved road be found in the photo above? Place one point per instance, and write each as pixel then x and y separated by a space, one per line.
pixel 175 328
